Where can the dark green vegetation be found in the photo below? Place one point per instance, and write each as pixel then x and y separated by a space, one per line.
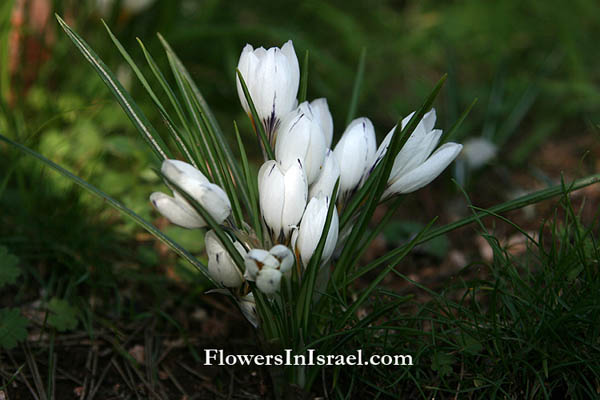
pixel 83 280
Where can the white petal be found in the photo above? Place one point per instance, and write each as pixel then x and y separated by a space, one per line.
pixel 426 172
pixel 176 212
pixel 300 137
pixel 248 307
pixel 176 170
pixel 221 266
pixel 295 195
pixel 247 67
pixel 327 178
pixel 355 153
pixel 322 114
pixel 293 139
pixel 311 228
pixel 294 68
pixel 429 120
pixel 416 150
pixel 258 259
pixel 268 281
pixel 271 189
pixel 284 255
pixel 209 195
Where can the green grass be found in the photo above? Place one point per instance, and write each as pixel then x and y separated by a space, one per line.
pixel 519 327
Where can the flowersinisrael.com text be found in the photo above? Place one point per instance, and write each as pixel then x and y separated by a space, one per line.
pixel 219 357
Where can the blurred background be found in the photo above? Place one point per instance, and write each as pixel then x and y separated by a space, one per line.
pixel 531 65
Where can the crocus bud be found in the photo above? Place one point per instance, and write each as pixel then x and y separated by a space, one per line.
pixel 415 166
pixel 478 151
pixel 327 178
pixel 301 137
pixel 282 196
pixel 320 110
pixel 132 7
pixel 258 259
pixel 306 237
pixel 355 153
pixel 177 209
pixel 272 77
pixel 248 307
pixel 269 281
pixel 221 266
pixel 284 255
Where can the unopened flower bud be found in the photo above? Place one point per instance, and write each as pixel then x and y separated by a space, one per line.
pixel 306 237
pixel 327 178
pixel 258 259
pixel 269 281
pixel 282 196
pixel 189 179
pixel 355 153
pixel 272 77
pixel 221 266
pixel 301 137
pixel 284 255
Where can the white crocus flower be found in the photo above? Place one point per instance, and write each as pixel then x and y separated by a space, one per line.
pixel 301 137
pixel 355 153
pixel 221 266
pixel 320 110
pixel 282 197
pixel 478 151
pixel 327 178
pixel 416 165
pixel 133 7
pixel 272 77
pixel 177 209
pixel 306 237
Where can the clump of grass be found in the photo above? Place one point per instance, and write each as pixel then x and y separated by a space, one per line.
pixel 521 327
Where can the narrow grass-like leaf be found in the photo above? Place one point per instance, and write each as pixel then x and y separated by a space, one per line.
pixel 222 165
pixel 367 292
pixel 6 10
pixel 204 147
pixel 249 178
pixel 256 122
pixel 231 160
pixel 303 80
pixel 380 225
pixel 195 156
pixel 132 110
pixel 515 204
pixel 446 136
pixel 356 201
pixel 183 147
pixel 360 75
pixel 118 206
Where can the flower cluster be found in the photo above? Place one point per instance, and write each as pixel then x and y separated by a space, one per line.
pixel 296 188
